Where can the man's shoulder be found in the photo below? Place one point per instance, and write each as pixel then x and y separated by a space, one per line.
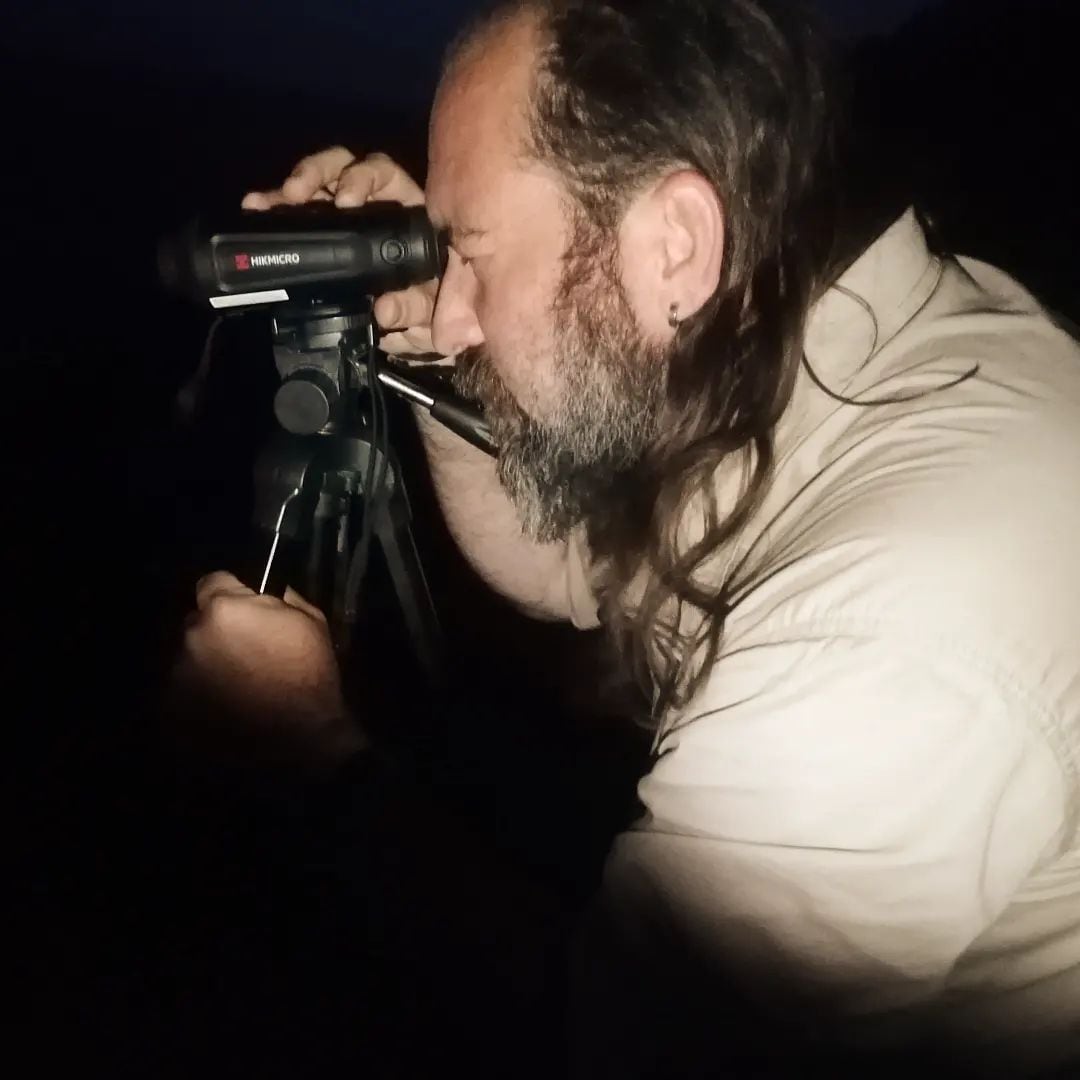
pixel 928 503
pixel 962 534
pixel 953 517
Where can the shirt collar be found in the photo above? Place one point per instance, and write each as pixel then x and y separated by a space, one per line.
pixel 872 301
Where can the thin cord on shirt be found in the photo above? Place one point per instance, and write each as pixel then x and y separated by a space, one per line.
pixel 897 399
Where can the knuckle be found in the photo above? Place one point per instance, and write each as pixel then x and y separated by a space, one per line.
pixel 206 585
pixel 310 161
pixel 218 609
pixel 295 189
pixel 357 168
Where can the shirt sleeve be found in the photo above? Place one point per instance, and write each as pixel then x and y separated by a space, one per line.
pixel 833 823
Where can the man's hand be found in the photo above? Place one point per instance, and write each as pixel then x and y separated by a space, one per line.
pixel 337 175
pixel 258 675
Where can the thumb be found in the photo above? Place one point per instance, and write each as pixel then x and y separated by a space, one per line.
pixel 219 583
pixel 294 599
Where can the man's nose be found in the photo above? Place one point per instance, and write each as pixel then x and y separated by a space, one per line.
pixel 454 326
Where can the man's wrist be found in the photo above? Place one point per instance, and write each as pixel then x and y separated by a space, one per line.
pixel 343 741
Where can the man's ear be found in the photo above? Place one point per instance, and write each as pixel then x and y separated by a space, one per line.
pixel 672 240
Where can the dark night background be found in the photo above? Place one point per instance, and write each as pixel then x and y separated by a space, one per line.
pixel 174 917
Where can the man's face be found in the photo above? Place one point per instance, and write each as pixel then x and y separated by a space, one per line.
pixel 532 304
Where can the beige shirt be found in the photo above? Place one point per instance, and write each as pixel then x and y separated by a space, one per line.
pixel 876 795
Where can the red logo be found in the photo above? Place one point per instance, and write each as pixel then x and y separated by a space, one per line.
pixel 243 262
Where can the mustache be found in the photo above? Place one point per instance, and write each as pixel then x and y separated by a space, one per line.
pixel 474 375
pixel 475 378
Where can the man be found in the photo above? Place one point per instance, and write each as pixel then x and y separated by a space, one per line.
pixel 821 486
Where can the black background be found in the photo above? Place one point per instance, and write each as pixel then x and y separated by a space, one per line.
pixel 174 918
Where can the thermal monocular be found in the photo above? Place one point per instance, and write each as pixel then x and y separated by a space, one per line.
pixel 316 252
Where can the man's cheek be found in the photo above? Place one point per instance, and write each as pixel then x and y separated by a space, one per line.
pixel 537 390
pixel 506 357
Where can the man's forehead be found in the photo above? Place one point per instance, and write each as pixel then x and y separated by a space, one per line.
pixel 487 196
pixel 470 160
pixel 479 121
pixel 456 191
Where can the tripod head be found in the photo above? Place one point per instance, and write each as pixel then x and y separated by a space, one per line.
pixel 320 350
pixel 314 270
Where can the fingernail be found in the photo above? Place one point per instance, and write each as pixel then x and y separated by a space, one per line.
pixel 347 199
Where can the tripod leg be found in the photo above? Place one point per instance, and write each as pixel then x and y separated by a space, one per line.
pixel 313 569
pixel 286 473
pixel 393 530
pixel 341 628
pixel 327 565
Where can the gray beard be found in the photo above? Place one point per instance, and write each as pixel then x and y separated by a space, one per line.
pixel 560 470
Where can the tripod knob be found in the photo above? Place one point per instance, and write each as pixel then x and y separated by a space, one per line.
pixel 304 401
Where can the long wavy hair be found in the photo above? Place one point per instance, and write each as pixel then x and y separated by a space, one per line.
pixel 743 91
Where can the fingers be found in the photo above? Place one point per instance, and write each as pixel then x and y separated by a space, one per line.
pixel 264 200
pixel 314 178
pixel 376 177
pixel 337 174
pixel 406 308
pixel 414 342
pixel 220 583
pixel 316 172
pixel 408 312
pixel 261 200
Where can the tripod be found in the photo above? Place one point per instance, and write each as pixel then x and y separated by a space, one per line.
pixel 328 483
